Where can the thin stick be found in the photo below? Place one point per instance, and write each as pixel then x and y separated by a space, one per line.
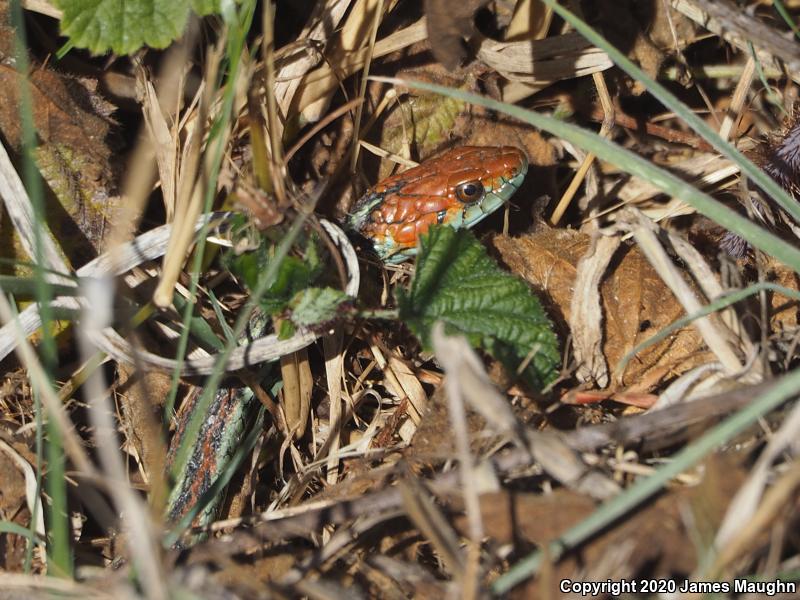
pixel 605 128
pixel 738 99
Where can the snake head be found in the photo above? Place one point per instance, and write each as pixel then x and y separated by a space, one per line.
pixel 459 188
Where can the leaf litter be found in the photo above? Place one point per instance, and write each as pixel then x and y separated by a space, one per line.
pixel 382 469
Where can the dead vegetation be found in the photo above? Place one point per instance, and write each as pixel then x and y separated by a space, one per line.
pixel 361 463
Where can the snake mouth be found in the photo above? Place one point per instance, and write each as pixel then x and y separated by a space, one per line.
pixel 496 196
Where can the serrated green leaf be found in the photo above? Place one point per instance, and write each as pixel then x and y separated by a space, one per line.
pixel 122 26
pixel 313 306
pixel 293 276
pixel 456 282
pixel 205 7
pixel 294 273
pixel 286 330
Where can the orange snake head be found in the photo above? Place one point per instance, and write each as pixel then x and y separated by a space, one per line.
pixel 458 188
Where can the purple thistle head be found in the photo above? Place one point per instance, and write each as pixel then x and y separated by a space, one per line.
pixel 782 159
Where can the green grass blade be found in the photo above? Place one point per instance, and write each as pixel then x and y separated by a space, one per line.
pixel 59 552
pixel 764 181
pixel 772 95
pixel 237 34
pixel 783 389
pixel 780 7
pixel 723 301
pixel 212 383
pixel 634 164
pixel 27 286
pixel 59 531
pixel 9 527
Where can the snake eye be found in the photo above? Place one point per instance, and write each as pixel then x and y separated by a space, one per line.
pixel 471 191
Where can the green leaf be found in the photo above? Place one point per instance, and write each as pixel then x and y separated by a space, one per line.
pixel 456 282
pixel 285 330
pixel 293 275
pixel 123 26
pixel 205 7
pixel 313 306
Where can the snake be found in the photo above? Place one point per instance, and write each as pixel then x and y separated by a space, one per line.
pixel 459 188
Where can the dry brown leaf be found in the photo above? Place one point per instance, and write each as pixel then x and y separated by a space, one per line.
pixel 487 130
pixel 263 569
pixel 138 394
pixel 73 154
pixel 542 62
pixel 655 535
pixel 626 26
pixel 7 32
pixel 13 509
pixel 530 21
pixel 666 24
pixel 636 304
pixel 64 114
pixel 402 382
pixel 784 310
pixel 449 23
pixel 433 440
pixel 296 392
